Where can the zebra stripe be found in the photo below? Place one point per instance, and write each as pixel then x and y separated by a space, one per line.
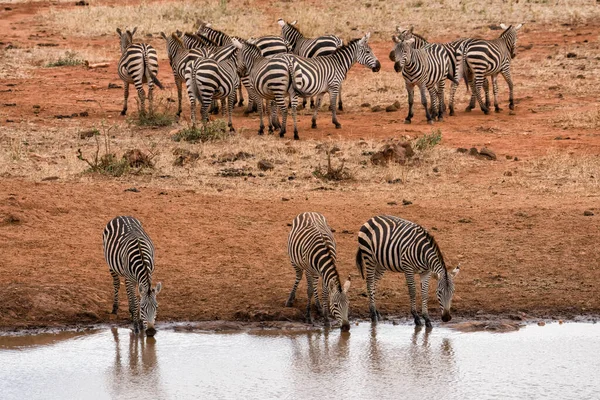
pixel 138 64
pixel 490 58
pixel 129 253
pixel 270 79
pixel 310 47
pixel 311 248
pixel 454 50
pixel 391 243
pixel 217 78
pixel 317 76
pixel 426 68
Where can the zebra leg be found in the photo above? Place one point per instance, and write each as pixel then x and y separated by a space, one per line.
pixel 333 93
pixel 325 302
pixel 261 129
pixel 284 110
pixel 133 304
pixel 508 79
pixel 412 291
pixel 424 296
pixel 473 94
pixel 142 96
pixel 316 111
pixel 309 293
pixel 178 83
pixel 151 97
pixel 292 297
pixel 340 105
pixel 312 102
pixel 373 276
pixel 230 104
pixel 453 87
pixel 478 86
pixel 442 104
pixel 294 105
pixel 495 89
pixel 274 117
pixel 411 99
pixel 240 96
pixel 486 90
pixel 315 288
pixel 224 106
pixel 126 96
pixel 423 89
pixel 116 285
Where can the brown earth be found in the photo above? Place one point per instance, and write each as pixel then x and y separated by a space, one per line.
pixel 223 256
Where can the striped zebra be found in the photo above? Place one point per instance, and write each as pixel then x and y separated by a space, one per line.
pixel 311 248
pixel 391 243
pixel 270 79
pixel 319 75
pixel 310 47
pixel 129 253
pixel 454 50
pixel 179 56
pixel 210 79
pixel 428 69
pixel 138 64
pixel 489 58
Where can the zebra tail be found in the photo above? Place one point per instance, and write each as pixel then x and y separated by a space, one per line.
pixel 462 68
pixel 192 82
pixel 295 75
pixel 359 263
pixel 149 76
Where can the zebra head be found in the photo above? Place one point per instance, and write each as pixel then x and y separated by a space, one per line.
pixel 365 55
pixel 149 307
pixel 338 303
pixel 289 32
pixel 246 56
pixel 126 38
pixel 402 52
pixel 174 43
pixel 510 38
pixel 445 291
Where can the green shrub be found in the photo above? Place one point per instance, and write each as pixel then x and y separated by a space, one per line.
pixel 428 141
pixel 69 60
pixel 213 130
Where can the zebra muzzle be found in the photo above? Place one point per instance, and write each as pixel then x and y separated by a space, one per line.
pixel 377 67
pixel 150 332
pixel 446 316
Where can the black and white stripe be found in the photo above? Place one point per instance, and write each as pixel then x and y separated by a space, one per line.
pixel 211 79
pixel 138 64
pixel 391 243
pixel 129 253
pixel 270 79
pixel 310 47
pixel 311 248
pixel 320 75
pixel 489 58
pixel 427 68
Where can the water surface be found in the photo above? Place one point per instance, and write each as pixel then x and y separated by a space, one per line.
pixel 372 362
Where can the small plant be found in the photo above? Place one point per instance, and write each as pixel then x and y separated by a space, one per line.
pixel 428 141
pixel 332 174
pixel 213 130
pixel 69 60
pixel 155 118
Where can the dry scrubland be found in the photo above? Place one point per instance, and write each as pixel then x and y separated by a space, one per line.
pixel 504 219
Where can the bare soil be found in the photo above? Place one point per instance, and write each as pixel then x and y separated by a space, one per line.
pixel 222 256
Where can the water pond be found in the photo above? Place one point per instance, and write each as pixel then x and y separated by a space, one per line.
pixel 372 362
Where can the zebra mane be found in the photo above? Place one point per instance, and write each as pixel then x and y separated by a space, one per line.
pixel 146 266
pixel 201 39
pixel 345 46
pixel 419 36
pixel 329 247
pixel 177 39
pixel 438 251
pixel 293 27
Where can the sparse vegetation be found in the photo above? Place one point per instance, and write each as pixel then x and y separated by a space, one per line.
pixel 68 60
pixel 331 173
pixel 213 130
pixel 428 140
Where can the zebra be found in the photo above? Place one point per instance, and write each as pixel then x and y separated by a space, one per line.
pixel 316 76
pixel 270 79
pixel 209 79
pixel 426 68
pixel 129 252
pixel 309 48
pixel 452 48
pixel 138 64
pixel 489 58
pixel 390 243
pixel 311 248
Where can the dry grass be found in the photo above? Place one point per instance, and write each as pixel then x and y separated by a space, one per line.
pixel 579 119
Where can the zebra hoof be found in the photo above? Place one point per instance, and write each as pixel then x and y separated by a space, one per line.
pixel 296 137
pixel 123 113
pixel 497 109
pixel 314 125
pixel 451 113
pixel 428 324
pixel 430 121
pixel 338 126
pixel 486 112
pixel 512 107
pixel 440 119
pixel 468 109
pixel 407 121
pixel 340 108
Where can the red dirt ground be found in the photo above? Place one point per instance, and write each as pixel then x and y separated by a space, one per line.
pixel 530 255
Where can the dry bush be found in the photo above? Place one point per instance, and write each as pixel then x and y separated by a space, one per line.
pixel 579 119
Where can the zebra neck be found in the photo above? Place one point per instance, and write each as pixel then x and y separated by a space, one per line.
pixel 294 37
pixel 346 56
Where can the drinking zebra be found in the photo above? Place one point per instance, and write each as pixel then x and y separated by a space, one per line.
pixel 309 48
pixel 454 50
pixel 270 79
pixel 319 75
pixel 426 68
pixel 138 64
pixel 391 243
pixel 210 79
pixel 490 58
pixel 311 248
pixel 129 253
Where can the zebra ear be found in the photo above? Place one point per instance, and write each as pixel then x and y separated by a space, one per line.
pixel 236 43
pixel 158 287
pixel 395 39
pixel 518 27
pixel 346 286
pixel 503 26
pixel 133 31
pixel 294 22
pixel 119 31
pixel 398 28
pixel 455 271
pixel 411 29
pixel 411 41
pixel 281 22
pixel 162 34
pixel 367 36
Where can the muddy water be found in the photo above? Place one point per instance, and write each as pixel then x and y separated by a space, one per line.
pixel 382 362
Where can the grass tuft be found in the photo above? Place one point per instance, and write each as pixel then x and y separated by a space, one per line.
pixel 429 140
pixel 68 60
pixel 212 131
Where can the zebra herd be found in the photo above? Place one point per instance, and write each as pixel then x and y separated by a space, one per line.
pixel 384 243
pixel 214 66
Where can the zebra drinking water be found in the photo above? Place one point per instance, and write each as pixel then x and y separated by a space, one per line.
pixel 426 68
pixel 489 58
pixel 138 64
pixel 391 243
pixel 311 248
pixel 129 253
pixel 317 76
